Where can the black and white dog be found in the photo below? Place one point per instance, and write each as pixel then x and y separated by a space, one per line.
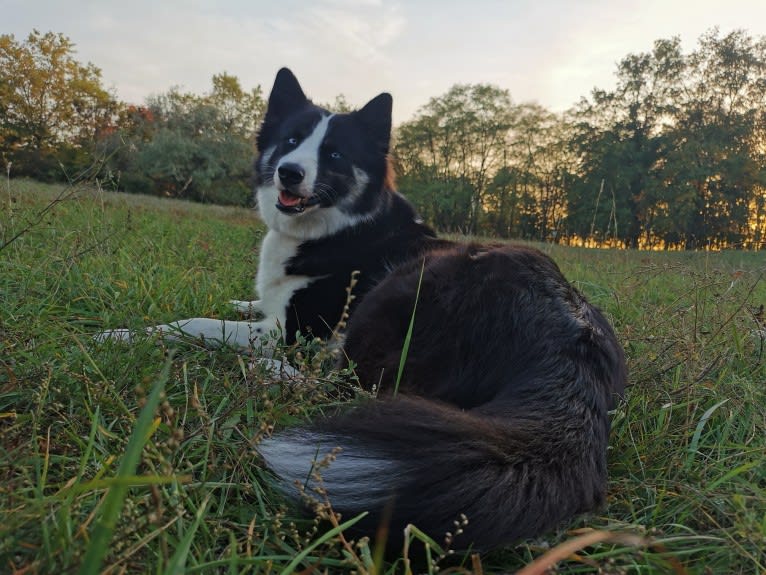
pixel 502 407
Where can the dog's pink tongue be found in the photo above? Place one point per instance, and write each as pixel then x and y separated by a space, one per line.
pixel 288 199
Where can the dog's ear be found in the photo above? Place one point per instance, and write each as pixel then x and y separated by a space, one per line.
pixel 286 96
pixel 376 116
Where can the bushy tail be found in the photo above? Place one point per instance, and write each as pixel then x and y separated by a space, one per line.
pixel 513 471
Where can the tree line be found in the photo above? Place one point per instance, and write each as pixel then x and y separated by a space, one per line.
pixel 674 156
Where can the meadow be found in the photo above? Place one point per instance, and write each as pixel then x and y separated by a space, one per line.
pixel 142 458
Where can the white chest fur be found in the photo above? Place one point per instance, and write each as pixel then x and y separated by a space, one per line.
pixel 276 288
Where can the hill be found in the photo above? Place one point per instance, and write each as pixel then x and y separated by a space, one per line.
pixel 688 470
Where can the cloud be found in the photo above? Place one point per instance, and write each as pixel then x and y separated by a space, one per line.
pixel 553 51
pixel 359 31
pixel 147 47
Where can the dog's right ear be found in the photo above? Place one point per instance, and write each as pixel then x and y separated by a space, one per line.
pixel 286 96
pixel 376 116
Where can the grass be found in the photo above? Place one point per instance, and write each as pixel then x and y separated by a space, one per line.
pixel 142 459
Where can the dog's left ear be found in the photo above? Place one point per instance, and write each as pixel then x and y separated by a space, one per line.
pixel 286 96
pixel 376 116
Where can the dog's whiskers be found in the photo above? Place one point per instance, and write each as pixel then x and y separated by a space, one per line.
pixel 267 173
pixel 325 191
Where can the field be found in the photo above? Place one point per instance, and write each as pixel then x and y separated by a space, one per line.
pixel 142 458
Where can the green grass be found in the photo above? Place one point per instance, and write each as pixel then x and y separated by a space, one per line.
pixel 142 459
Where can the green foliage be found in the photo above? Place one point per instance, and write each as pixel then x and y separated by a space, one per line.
pixel 52 108
pixel 686 458
pixel 56 122
pixel 674 154
pixel 339 106
pixel 194 147
pixel 458 138
pixel 672 157
pixel 443 203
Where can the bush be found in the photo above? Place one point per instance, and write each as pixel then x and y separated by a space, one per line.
pixel 229 193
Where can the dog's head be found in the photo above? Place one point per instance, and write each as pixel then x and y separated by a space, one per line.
pixel 318 172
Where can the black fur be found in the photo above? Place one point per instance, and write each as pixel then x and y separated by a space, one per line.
pixel 505 392
pixel 502 409
pixel 371 248
pixel 392 235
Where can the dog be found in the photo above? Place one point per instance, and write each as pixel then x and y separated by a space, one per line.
pixel 496 415
pixel 319 189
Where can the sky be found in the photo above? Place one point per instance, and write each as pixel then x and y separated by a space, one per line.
pixel 549 51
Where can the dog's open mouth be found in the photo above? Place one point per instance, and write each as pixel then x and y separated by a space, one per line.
pixel 294 204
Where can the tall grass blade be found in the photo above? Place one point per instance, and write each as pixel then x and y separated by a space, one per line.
pixel 177 563
pixel 412 533
pixel 293 565
pixel 547 562
pixel 408 337
pixel 698 431
pixel 102 531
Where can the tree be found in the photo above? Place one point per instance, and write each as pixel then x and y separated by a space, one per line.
pixel 715 168
pixel 339 106
pixel 238 112
pixel 675 154
pixel 618 136
pixel 189 146
pixel 527 196
pixel 51 106
pixel 455 144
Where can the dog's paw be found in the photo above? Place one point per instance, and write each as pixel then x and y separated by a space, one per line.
pixel 247 308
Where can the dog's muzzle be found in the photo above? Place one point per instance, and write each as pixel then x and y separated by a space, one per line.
pixel 291 176
pixel 289 203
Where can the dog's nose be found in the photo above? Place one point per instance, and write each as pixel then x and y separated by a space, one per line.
pixel 291 174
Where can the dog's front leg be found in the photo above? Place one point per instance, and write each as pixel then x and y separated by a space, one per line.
pixel 247 308
pixel 261 335
pixel 240 334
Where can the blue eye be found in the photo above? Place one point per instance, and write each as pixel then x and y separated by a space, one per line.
pixel 292 141
pixel 335 155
